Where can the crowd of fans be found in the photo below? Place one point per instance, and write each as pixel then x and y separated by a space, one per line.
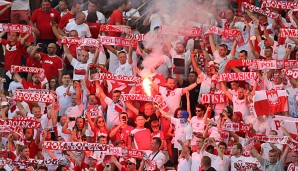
pixel 189 133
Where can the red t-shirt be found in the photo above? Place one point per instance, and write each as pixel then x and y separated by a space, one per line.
pixel 51 65
pixel 143 138
pixel 13 53
pixel 65 20
pixel 116 16
pixel 94 29
pixel 31 62
pixel 83 166
pixel 32 147
pixel 122 134
pixel 29 85
pixel 24 49
pixel 43 22
pixel 5 15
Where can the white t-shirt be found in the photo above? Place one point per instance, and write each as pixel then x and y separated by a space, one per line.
pixel 184 164
pixel 112 114
pixel 234 160
pixel 101 18
pixel 64 99
pixel 240 106
pixel 124 69
pixel 79 70
pixel 205 85
pixel 20 5
pixel 102 59
pixel 172 98
pixel 222 61
pixel 196 161
pixel 293 103
pixel 159 159
pixel 15 85
pixel 60 133
pixel 113 62
pixel 82 29
pixel 155 20
pixel 197 126
pixel 218 163
pixel 74 111
pixel 183 132
pixel 262 47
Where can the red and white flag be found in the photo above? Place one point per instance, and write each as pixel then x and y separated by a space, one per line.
pixel 119 41
pixel 270 102
pixel 292 73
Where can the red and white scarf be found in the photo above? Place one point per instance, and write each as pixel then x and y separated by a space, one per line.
pixel 116 28
pixel 279 4
pixel 259 10
pixel 44 96
pixel 16 28
pixel 40 71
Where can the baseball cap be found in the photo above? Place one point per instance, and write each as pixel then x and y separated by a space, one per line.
pixel 94 156
pixel 184 114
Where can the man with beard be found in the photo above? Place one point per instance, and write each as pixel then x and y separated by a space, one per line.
pixel 51 63
pixel 35 84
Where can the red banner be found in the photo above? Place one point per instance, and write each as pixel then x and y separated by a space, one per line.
pixel 288 33
pixel 118 41
pixel 237 63
pixel 116 28
pixel 259 10
pixel 238 76
pixel 17 28
pixel 279 4
pixel 44 96
pixel 23 122
pixel 193 32
pixel 227 32
pixel 235 127
pixel 213 98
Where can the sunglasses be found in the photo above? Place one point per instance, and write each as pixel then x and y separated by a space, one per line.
pixel 198 110
pixel 130 163
pixel 100 121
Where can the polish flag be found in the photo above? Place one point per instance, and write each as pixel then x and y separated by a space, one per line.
pixel 270 102
pixel 289 123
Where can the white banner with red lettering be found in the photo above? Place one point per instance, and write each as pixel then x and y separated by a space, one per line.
pixel 142 97
pixel 279 4
pixel 288 32
pixel 274 64
pixel 108 76
pixel 238 76
pixel 213 98
pixel 270 102
pixel 17 28
pixel 36 95
pixel 138 37
pixel 235 127
pixel 227 32
pixel 118 41
pixel 259 10
pixel 23 122
pixel 84 146
pixel 193 32
pixel 40 71
pixel 116 28
pixel 81 41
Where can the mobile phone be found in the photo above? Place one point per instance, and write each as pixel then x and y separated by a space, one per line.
pixel 124 118
pixel 214 124
pixel 197 45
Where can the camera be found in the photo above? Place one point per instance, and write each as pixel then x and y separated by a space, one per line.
pixel 214 124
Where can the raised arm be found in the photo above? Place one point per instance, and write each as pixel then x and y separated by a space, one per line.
pixel 110 48
pixel 25 38
pixel 164 114
pixel 184 150
pixel 34 53
pixel 77 86
pixel 96 55
pixel 188 105
pixel 195 64
pixel 255 154
pixel 212 44
pixel 91 123
pixel 129 60
pixel 67 53
pixel 21 108
pixel 225 90
pixel 233 50
pixel 130 106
